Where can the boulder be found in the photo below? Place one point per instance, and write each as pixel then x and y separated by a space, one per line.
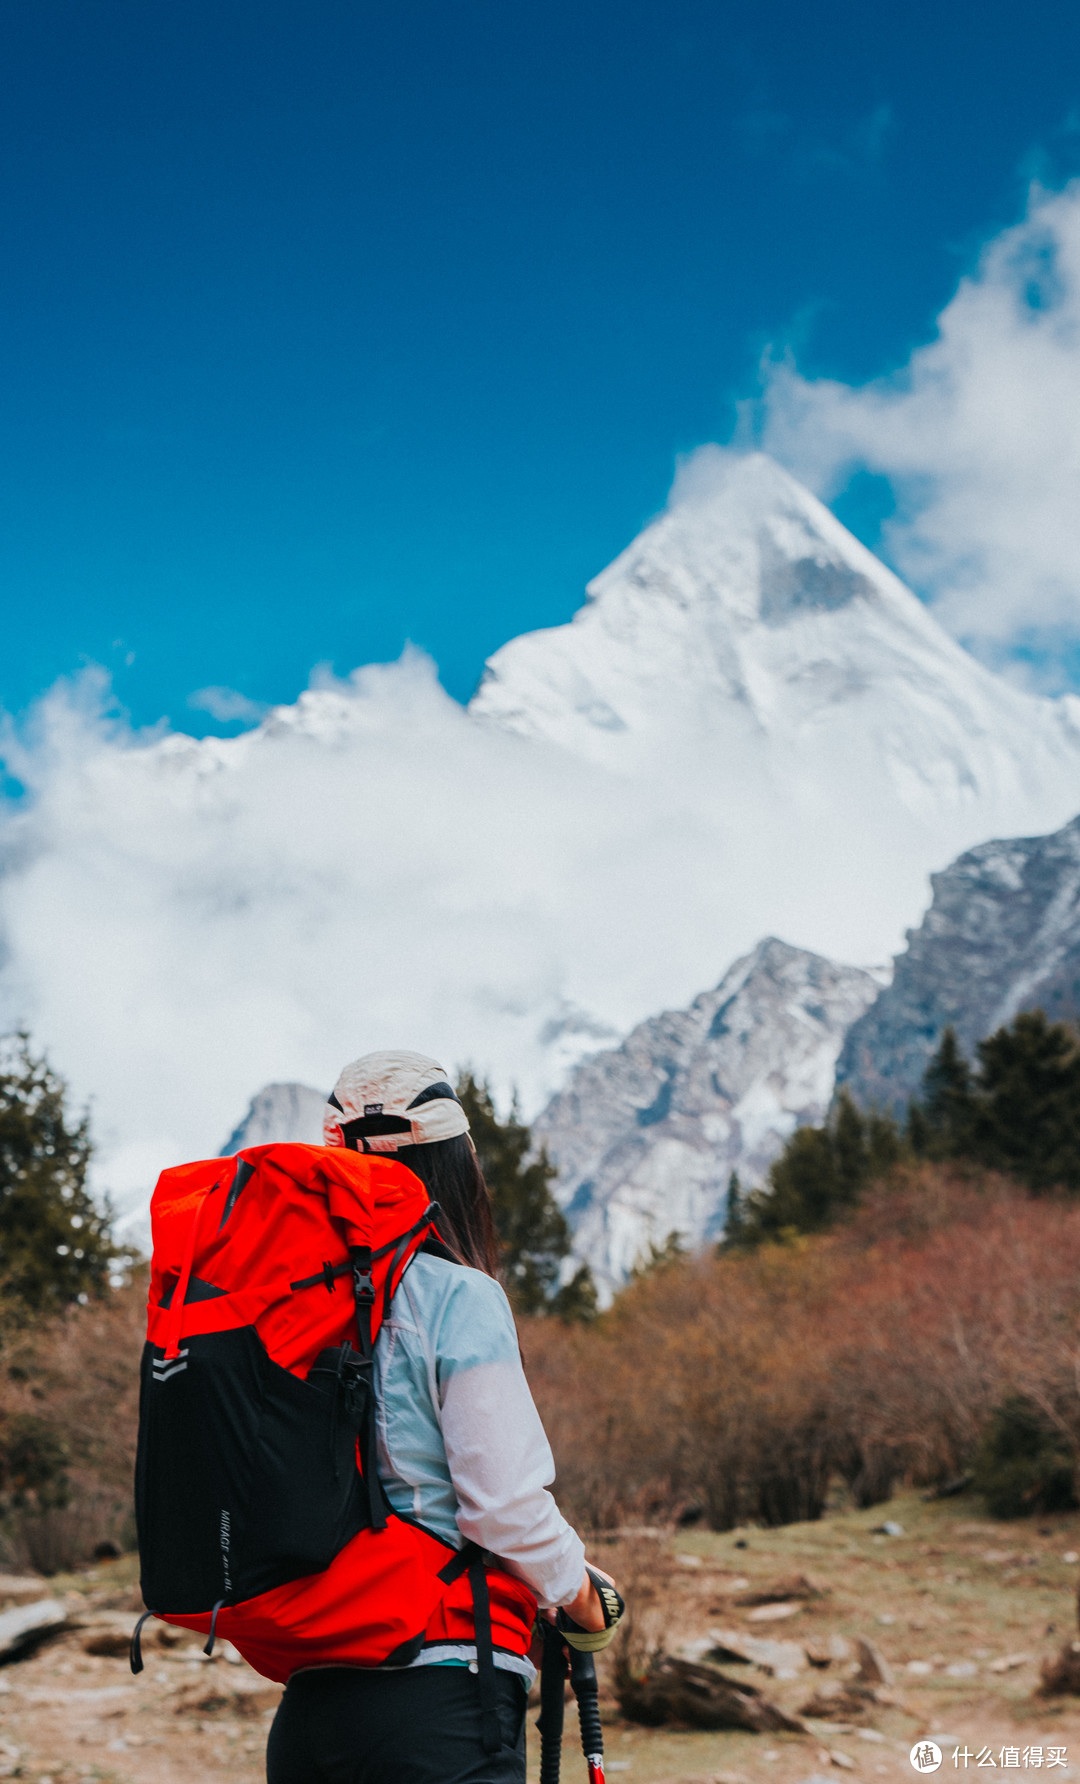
pixel 673 1690
pixel 28 1625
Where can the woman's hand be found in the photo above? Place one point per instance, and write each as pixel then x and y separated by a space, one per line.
pixel 586 1610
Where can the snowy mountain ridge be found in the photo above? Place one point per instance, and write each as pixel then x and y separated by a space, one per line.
pixel 746 609
pixel 1002 935
pixel 646 1135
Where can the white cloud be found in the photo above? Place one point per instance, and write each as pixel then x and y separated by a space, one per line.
pixel 227 705
pixel 185 921
pixel 980 436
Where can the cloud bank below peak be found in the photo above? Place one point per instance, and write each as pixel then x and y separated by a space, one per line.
pixel 979 439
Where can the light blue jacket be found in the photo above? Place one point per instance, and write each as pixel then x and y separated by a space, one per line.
pixel 461 1446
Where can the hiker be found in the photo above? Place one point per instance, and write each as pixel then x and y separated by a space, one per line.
pixel 461 1451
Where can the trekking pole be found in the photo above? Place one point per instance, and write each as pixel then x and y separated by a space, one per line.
pixel 583 1683
pixel 550 1723
pixel 552 1696
pixel 565 1641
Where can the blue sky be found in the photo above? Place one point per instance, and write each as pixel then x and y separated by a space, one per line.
pixel 327 326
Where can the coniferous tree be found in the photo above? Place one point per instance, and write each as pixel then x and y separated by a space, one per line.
pixel 55 1246
pixel 1018 1112
pixel 801 1193
pixel 1027 1120
pixel 944 1120
pixel 531 1225
pixel 822 1172
pixel 735 1218
pixel 658 1257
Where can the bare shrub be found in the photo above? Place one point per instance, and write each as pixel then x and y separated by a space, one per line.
pixel 878 1352
pixel 71 1384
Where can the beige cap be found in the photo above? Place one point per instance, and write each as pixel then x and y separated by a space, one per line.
pixel 387 1100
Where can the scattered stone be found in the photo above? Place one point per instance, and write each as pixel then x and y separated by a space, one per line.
pixel 783 1591
pixel 869 1734
pixel 888 1528
pixel 961 1669
pixel 779 1659
pixel 688 1560
pixel 948 1489
pixel 108 1644
pixel 772 1613
pixel 842 1759
pixel 839 1703
pixel 886 1617
pixel 20 1588
pixel 827 1652
pixel 674 1690
pixel 239 1697
pixel 1060 1677
pixel 25 1628
pixel 1009 1663
pixel 872 1667
pixel 1070 1557
pixel 870 1663
pixel 919 1668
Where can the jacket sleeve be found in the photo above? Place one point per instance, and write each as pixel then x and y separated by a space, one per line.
pixel 499 1458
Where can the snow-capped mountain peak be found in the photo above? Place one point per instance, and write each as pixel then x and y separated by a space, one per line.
pixel 747 620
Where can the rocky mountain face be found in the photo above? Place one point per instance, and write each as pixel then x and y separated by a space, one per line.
pixel 646 1135
pixel 1001 935
pixel 280 1112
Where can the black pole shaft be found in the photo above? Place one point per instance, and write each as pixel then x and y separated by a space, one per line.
pixel 552 1688
pixel 583 1681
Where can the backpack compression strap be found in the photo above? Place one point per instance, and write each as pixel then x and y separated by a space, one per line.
pixel 361 1261
pixel 473 1560
pixel 179 1294
pixel 330 1272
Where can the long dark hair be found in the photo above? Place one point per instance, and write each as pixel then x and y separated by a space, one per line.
pixel 450 1171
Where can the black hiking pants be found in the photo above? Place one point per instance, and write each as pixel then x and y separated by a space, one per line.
pixel 339 1725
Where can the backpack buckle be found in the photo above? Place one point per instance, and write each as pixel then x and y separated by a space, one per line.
pixel 363 1282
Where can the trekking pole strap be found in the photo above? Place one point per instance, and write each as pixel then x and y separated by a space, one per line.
pixel 590 1641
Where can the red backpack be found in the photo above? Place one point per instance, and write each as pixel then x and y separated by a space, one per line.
pixel 259 1509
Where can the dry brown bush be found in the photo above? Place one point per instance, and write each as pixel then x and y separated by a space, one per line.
pixel 740 1385
pixel 75 1378
pixel 743 1383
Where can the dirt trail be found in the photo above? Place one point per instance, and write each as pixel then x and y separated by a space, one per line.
pixel 947 1604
